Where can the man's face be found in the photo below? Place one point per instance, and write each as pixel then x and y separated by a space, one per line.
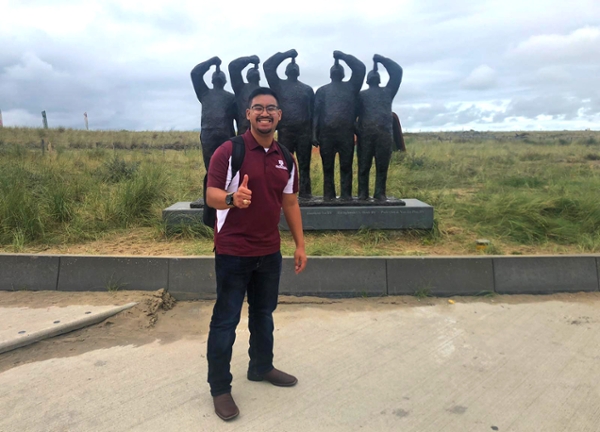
pixel 264 114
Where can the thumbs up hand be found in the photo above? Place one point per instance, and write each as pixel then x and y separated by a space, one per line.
pixel 243 197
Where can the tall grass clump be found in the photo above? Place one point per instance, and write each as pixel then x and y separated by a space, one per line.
pixel 116 169
pixel 59 201
pixel 55 200
pixel 21 213
pixel 136 198
pixel 526 218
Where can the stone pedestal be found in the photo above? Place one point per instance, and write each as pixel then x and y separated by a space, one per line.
pixel 352 215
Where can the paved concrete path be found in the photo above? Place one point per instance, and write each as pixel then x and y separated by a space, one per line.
pixel 22 326
pixel 449 367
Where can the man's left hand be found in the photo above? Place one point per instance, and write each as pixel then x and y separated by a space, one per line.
pixel 300 259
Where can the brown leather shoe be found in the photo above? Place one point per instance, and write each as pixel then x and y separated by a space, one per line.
pixel 275 377
pixel 225 406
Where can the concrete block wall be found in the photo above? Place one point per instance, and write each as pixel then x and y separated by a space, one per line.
pixel 28 272
pixel 189 278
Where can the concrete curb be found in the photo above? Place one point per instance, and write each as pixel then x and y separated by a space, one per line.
pixel 62 328
pixel 192 278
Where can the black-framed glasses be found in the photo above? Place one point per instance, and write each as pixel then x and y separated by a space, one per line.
pixel 259 109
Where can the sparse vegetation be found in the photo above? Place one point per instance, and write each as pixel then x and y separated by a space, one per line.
pixel 422 293
pixel 114 285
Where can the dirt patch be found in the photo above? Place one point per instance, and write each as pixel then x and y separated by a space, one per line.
pixel 138 241
pixel 455 241
pixel 160 301
pixel 155 317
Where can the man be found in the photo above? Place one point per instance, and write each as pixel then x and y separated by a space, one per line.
pixel 241 89
pixel 335 114
pixel 376 128
pixel 297 100
pixel 218 108
pixel 247 248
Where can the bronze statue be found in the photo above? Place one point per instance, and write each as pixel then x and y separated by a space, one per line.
pixel 242 90
pixel 218 108
pixel 375 127
pixel 336 109
pixel 296 102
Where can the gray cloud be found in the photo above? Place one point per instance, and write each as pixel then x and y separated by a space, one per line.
pixel 492 65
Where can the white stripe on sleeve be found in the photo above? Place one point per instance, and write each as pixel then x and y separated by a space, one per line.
pixel 289 188
pixel 231 185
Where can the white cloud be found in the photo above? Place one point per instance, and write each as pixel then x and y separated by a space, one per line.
pixel 483 77
pixel 580 46
pixel 21 117
pixel 553 74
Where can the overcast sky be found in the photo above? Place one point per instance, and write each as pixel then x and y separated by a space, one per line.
pixel 487 65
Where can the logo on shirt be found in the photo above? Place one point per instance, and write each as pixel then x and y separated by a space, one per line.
pixel 281 165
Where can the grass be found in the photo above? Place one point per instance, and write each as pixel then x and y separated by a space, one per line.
pixel 114 140
pixel 113 285
pixel 422 293
pixel 525 193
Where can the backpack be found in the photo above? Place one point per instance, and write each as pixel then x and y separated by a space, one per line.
pixel 209 216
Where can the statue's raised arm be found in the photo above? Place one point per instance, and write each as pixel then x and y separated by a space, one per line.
pixel 394 71
pixel 241 89
pixel 357 67
pixel 270 67
pixel 198 73
pixel 235 71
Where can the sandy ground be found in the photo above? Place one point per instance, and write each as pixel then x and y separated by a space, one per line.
pixel 158 318
pixel 146 242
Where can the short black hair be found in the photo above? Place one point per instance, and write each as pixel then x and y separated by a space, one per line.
pixel 262 91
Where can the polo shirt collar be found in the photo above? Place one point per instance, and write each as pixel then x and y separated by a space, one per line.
pixel 253 144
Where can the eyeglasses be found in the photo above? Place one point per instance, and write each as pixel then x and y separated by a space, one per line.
pixel 259 109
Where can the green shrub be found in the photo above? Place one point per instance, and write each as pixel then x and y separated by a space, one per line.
pixel 116 169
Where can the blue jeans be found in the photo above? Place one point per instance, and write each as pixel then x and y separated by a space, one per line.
pixel 236 276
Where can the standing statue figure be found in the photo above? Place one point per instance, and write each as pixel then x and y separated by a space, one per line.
pixel 336 109
pixel 218 108
pixel 375 127
pixel 241 89
pixel 296 101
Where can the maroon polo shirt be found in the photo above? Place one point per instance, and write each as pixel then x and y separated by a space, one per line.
pixel 253 231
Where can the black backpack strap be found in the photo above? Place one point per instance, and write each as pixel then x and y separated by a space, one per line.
pixel 209 215
pixel 289 159
pixel 237 154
